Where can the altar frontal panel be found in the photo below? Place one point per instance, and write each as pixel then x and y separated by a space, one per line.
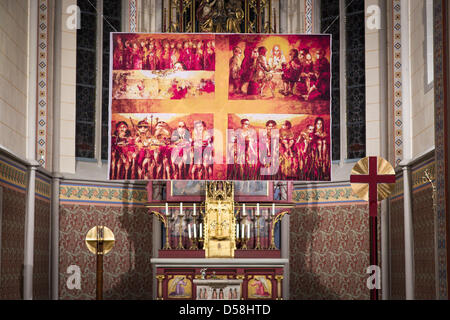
pixel 220 106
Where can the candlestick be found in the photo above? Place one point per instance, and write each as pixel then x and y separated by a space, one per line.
pixel 257 209
pixel 273 209
pixel 248 230
pixel 195 230
pixel 189 231
pixel 201 228
pixel 180 242
pixel 258 240
pixel 194 214
pixel 243 231
pixel 181 208
pixel 167 209
pixel 237 230
pixel 243 210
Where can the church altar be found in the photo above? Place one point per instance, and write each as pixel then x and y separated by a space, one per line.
pixel 226 244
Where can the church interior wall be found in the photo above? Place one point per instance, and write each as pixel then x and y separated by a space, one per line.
pixel 373 86
pixel 422 97
pixel 397 244
pixel 14 75
pixel 13 179
pixel 329 252
pixel 424 223
pixel 41 271
pixel 322 262
pixel 127 271
pixel 67 91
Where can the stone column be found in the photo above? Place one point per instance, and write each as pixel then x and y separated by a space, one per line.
pixel 409 234
pixel 54 245
pixel 28 261
pixel 285 254
pixel 156 245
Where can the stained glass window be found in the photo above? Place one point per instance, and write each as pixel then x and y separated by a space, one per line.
pixel 329 24
pixel 87 73
pixel 86 77
pixel 356 79
pixel 112 13
pixel 354 38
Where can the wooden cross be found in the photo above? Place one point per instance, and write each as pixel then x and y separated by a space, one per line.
pixel 373 179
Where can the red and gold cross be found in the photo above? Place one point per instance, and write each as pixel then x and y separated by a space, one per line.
pixel 373 179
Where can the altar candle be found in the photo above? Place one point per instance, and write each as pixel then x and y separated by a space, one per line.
pixel 194 214
pixel 201 228
pixel 189 230
pixel 257 209
pixel 195 231
pixel 243 209
pixel 243 231
pixel 167 209
pixel 237 230
pixel 273 209
pixel 248 231
pixel 181 208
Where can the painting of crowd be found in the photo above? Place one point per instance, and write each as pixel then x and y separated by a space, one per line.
pixel 134 52
pixel 130 85
pixel 255 72
pixel 151 149
pixel 302 153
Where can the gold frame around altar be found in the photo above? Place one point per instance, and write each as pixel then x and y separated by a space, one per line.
pixel 219 220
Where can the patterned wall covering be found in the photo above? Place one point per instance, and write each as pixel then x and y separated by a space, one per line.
pixel 424 255
pixel 441 138
pixel 424 233
pixel 397 243
pixel 13 179
pixel 41 271
pixel 329 252
pixel 13 221
pixel 127 269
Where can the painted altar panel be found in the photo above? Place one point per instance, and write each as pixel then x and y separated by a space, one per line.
pixel 250 283
pixel 220 106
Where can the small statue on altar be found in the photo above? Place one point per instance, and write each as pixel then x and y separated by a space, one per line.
pixel 203 273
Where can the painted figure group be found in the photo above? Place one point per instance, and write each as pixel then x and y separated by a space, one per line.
pixel 301 156
pixel 218 294
pixel 164 54
pixel 144 152
pixel 301 75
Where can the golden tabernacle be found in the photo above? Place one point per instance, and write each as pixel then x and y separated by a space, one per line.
pixel 219 220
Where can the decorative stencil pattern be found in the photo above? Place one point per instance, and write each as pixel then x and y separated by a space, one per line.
pixel 440 101
pixel 133 15
pixel 42 83
pixel 308 16
pixel 329 252
pixel 41 270
pixel 73 193
pixel 324 195
pixel 12 175
pixel 397 81
pixel 12 250
pixel 127 268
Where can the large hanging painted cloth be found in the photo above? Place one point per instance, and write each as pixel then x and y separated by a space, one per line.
pixel 220 106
